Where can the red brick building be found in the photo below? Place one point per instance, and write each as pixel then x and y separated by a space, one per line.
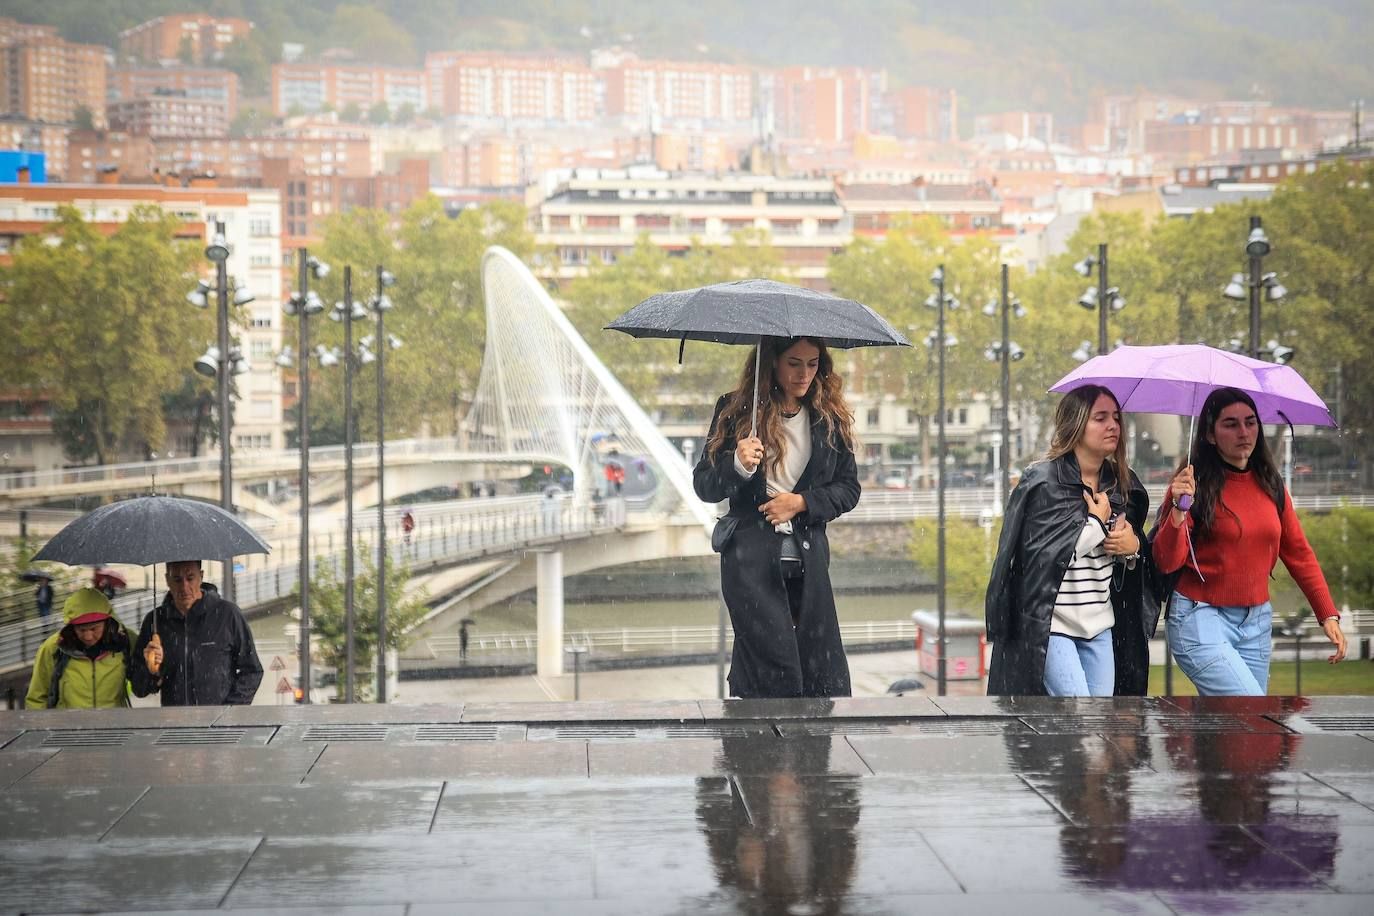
pixel 202 38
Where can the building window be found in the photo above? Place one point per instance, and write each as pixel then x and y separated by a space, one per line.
pixel 262 321
pixel 873 416
pixel 913 416
pixel 259 227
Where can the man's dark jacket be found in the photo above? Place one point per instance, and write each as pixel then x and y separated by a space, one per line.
pixel 1044 517
pixel 208 657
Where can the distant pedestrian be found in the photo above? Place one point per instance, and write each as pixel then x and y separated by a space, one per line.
pixel 463 640
pixel 407 525
pixel 43 596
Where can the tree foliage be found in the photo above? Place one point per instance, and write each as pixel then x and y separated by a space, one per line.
pixel 969 551
pixel 328 620
pixel 649 369
pixel 439 312
pixel 100 325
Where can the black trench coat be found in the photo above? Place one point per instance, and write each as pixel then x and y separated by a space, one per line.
pixel 771 658
pixel 1044 517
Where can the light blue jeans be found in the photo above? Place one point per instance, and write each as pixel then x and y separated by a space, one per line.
pixel 1223 650
pixel 1080 667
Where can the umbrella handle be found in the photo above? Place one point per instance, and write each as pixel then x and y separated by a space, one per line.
pixel 754 412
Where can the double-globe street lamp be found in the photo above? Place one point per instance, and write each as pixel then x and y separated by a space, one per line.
pixel 1101 297
pixel 939 341
pixel 381 304
pixel 219 361
pixel 1005 351
pixel 1256 286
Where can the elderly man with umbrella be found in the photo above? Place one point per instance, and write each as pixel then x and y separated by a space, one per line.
pixel 195 649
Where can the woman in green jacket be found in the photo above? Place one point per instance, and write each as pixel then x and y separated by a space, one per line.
pixel 85 664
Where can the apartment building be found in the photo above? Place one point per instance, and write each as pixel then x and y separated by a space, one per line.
pixel 308 199
pixel 825 104
pixel 1019 125
pixel 668 92
pixel 540 88
pixel 308 88
pixel 204 83
pixel 193 37
pixel 45 78
pixel 141 157
pixel 253 229
pixel 963 208
pixel 598 214
pixel 925 113
pixel 37 137
pixel 168 113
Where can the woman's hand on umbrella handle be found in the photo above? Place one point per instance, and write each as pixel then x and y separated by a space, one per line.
pixel 1332 626
pixel 1182 487
pixel 750 452
pixel 152 654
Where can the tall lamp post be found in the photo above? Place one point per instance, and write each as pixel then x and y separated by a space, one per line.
pixel 939 301
pixel 217 252
pixel 1258 285
pixel 1005 351
pixel 348 311
pixel 381 304
pixel 303 303
pixel 1101 297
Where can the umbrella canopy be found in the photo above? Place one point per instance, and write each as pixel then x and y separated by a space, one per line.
pixel 742 311
pixel 105 575
pixel 36 575
pixel 152 529
pixel 1176 379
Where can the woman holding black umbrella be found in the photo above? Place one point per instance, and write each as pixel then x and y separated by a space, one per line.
pixel 787 469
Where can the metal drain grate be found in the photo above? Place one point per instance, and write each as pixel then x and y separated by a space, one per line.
pixel 346 733
pixel 457 732
pixel 87 737
pixel 919 727
pixel 646 732
pixel 1341 723
pixel 200 736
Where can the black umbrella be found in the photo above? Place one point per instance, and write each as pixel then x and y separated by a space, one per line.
pixel 746 311
pixel 152 529
pixel 36 575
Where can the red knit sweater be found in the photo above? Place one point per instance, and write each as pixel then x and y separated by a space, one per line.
pixel 1239 553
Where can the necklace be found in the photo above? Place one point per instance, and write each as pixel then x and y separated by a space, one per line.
pixel 789 416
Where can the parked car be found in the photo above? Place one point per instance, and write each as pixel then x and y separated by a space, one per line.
pixel 894 481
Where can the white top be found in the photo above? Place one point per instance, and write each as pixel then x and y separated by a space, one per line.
pixel 796 453
pixel 1083 607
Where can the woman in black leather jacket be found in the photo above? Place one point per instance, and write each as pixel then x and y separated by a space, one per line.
pixel 784 482
pixel 1070 561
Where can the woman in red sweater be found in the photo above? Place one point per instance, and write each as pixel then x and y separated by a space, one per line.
pixel 1220 622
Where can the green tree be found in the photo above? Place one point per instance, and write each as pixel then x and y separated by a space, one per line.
pixel 250 61
pixel 351 113
pixel 101 324
pixel 83 119
pixel 379 113
pixel 249 122
pixel 439 313
pixel 1341 540
pixel 371 34
pixel 649 369
pixel 404 609
pixel 969 551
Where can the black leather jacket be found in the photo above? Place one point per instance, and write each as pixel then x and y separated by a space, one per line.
pixel 1044 517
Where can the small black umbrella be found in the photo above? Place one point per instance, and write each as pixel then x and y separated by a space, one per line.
pixel 36 575
pixel 152 529
pixel 746 311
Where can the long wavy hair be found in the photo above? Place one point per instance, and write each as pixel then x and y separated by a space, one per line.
pixel 824 399
pixel 1071 421
pixel 1209 470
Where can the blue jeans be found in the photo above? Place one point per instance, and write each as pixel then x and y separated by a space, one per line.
pixel 1223 650
pixel 1080 667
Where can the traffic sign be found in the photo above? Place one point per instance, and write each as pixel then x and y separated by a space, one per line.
pixel 277 664
pixel 283 686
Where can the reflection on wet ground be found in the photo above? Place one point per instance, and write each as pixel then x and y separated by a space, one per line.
pixel 948 805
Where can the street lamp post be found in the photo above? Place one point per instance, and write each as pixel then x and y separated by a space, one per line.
pixel 1005 351
pixel 225 363
pixel 1256 287
pixel 381 304
pixel 304 303
pixel 348 311
pixel 938 302
pixel 1101 297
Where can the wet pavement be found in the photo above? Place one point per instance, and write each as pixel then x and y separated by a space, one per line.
pixel 875 805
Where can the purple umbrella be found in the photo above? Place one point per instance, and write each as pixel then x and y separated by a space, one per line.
pixel 1176 379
